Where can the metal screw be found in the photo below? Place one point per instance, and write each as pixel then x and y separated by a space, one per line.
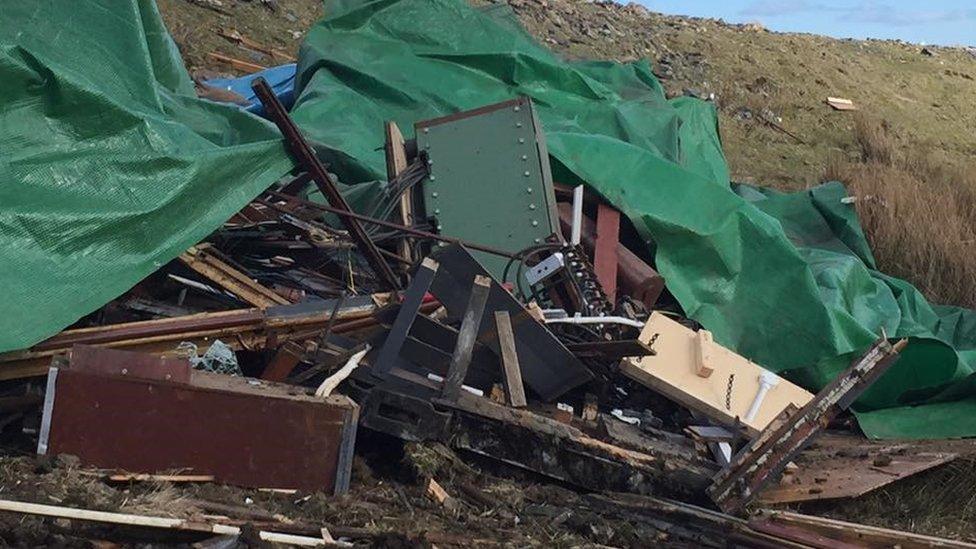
pixel 437 211
pixel 438 227
pixel 528 190
pixel 526 174
pixel 517 108
pixel 521 140
pixel 535 223
pixel 433 195
pixel 538 240
pixel 430 162
pixel 433 178
pixel 518 124
pixel 426 130
pixel 531 206
pixel 525 157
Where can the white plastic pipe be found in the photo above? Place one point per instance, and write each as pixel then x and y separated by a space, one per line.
pixel 596 320
pixel 577 226
pixel 767 380
pixel 333 381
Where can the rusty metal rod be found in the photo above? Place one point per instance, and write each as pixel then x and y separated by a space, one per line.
pixel 302 152
pixel 387 224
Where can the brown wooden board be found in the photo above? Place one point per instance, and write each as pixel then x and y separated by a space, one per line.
pixel 241 431
pixel 838 467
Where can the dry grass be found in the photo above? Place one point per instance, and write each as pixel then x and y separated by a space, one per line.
pixel 919 213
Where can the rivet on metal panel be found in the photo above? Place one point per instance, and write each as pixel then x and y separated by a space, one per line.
pixel 525 157
pixel 517 108
pixel 437 211
pixel 518 124
pixel 438 227
pixel 433 195
pixel 528 190
pixel 531 206
pixel 521 140
pixel 538 240
pixel 125 371
pixel 433 178
pixel 430 162
pixel 426 130
pixel 526 174
pixel 535 223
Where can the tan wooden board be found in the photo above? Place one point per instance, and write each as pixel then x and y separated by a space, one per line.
pixel 673 372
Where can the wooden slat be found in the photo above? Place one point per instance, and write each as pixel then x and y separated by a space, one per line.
pixel 396 162
pixel 514 391
pixel 605 250
pixel 467 336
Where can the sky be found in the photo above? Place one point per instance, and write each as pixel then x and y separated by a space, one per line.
pixel 942 22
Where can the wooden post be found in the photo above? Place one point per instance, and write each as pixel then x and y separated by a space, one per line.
pixel 510 364
pixel 396 162
pixel 605 249
pixel 467 336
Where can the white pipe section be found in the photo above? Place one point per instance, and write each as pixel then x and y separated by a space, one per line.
pixel 333 381
pixel 577 226
pixel 472 390
pixel 596 320
pixel 767 380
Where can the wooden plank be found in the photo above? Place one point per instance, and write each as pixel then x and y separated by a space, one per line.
pixel 514 390
pixel 864 535
pixel 396 162
pixel 467 337
pixel 152 522
pixel 200 259
pixel 673 372
pixel 237 63
pixel 839 467
pixel 605 249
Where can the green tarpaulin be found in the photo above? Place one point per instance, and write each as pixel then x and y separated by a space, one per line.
pixel 109 165
pixel 786 280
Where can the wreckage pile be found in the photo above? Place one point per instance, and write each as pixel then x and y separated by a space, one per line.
pixel 501 320
pixel 469 303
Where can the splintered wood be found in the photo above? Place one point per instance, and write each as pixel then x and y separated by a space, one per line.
pixel 704 376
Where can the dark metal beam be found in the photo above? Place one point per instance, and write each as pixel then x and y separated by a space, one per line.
pixel 302 152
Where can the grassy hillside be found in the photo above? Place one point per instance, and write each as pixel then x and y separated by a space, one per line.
pixel 917 109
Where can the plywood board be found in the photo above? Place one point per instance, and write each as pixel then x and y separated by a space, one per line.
pixel 673 371
pixel 844 467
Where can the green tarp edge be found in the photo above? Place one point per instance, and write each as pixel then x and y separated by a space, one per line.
pixel 109 164
pixel 785 279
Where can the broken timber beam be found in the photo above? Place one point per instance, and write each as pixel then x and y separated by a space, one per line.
pixel 240 329
pixel 154 522
pixel 303 153
pixel 396 162
pixel 467 336
pixel 554 449
pixel 512 372
pixel 200 259
pixel 763 460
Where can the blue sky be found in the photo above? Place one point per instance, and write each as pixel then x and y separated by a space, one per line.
pixel 946 22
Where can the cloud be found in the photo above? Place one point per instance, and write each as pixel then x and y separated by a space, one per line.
pixel 777 8
pixel 865 11
pixel 885 14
